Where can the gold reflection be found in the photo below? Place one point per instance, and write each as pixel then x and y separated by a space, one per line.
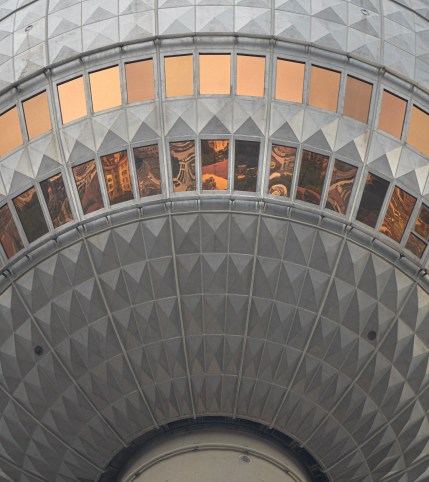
pixel 289 80
pixel 250 75
pixel 117 176
pixel 214 164
pixel 56 199
pixel 88 187
pixel 246 165
pixel 281 170
pixel 311 178
pixel 182 154
pixel 10 130
pixel 324 88
pixel 71 95
pixel 422 224
pixel 372 200
pixel 140 82
pixel 179 76
pixel 357 99
pixel 9 236
pixel 418 132
pixel 398 214
pixel 215 74
pixel 415 245
pixel 105 89
pixel 37 115
pixel 30 214
pixel 340 189
pixel 392 114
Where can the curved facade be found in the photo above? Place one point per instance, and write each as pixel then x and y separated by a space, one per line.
pixel 214 210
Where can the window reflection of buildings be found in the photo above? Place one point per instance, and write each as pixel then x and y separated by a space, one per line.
pixel 9 236
pixel 183 165
pixel 214 164
pixel 148 171
pixel 311 177
pixel 117 176
pixel 281 170
pixel 343 177
pixel 57 201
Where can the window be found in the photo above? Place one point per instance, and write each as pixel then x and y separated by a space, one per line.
pixel 105 89
pixel 179 76
pixel 250 75
pixel 357 99
pixel 340 189
pixel 214 164
pixel 30 214
pixel 115 168
pixel 140 81
pixel 372 200
pixel 88 187
pixel 289 80
pixel 311 178
pixel 182 156
pixel 215 74
pixel 392 114
pixel 71 95
pixel 246 165
pixel 56 199
pixel 37 115
pixel 9 236
pixel 10 129
pixel 418 132
pixel 324 88
pixel 398 214
pixel 415 245
pixel 281 170
pixel 148 172
pixel 417 241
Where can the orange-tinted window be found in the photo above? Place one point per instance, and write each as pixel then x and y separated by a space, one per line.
pixel 357 99
pixel 179 76
pixel 372 200
pixel 250 75
pixel 37 115
pixel 10 131
pixel 214 164
pixel 422 223
pixel 9 236
pixel 117 176
pixel 340 189
pixel 88 187
pixel 30 214
pixel 246 165
pixel 416 245
pixel 392 114
pixel 71 95
pixel 398 214
pixel 311 178
pixel 182 155
pixel 140 82
pixel 215 74
pixel 281 170
pixel 105 89
pixel 418 132
pixel 324 88
pixel 146 159
pixel 56 199
pixel 289 80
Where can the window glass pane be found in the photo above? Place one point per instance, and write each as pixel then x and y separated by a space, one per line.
pixel 289 80
pixel 392 114
pixel 312 174
pixel 140 81
pixel 422 224
pixel 324 88
pixel 105 89
pixel 10 129
pixel 117 176
pixel 72 100
pixel 372 200
pixel 357 99
pixel 215 74
pixel 281 170
pixel 418 132
pixel 250 75
pixel 37 115
pixel 179 76
pixel 88 187
pixel 340 189
pixel 57 201
pixel 398 214
pixel 214 162
pixel 182 156
pixel 148 172
pixel 415 245
pixel 246 165
pixel 9 236
pixel 30 214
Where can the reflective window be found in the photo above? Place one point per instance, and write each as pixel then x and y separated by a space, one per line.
pixel 418 132
pixel 340 189
pixel 117 176
pixel 214 164
pixel 246 165
pixel 372 200
pixel 281 170
pixel 9 236
pixel 148 172
pixel 250 75
pixel 10 129
pixel 311 178
pixel 140 81
pixel 30 214
pixel 392 114
pixel 182 156
pixel 289 80
pixel 37 115
pixel 105 89
pixel 324 88
pixel 179 76
pixel 357 99
pixel 416 245
pixel 398 214
pixel 56 199
pixel 215 74
pixel 422 224
pixel 88 187
pixel 71 95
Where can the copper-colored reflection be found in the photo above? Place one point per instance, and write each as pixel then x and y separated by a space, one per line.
pixel 179 76
pixel 37 115
pixel 289 80
pixel 392 114
pixel 10 131
pixel 57 201
pixel 148 172
pixel 281 170
pixel 357 99
pixel 418 132
pixel 88 186
pixel 324 88
pixel 71 95
pixel 246 165
pixel 182 156
pixel 215 74
pixel 311 178
pixel 398 214
pixel 30 214
pixel 214 164
pixel 117 176
pixel 422 224
pixel 415 245
pixel 140 82
pixel 372 200
pixel 340 189
pixel 9 236
pixel 105 89
pixel 250 75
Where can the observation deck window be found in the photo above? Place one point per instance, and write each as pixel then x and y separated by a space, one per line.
pixel 372 200
pixel 357 99
pixel 10 129
pixel 281 170
pixel 56 199
pixel 324 88
pixel 140 81
pixel 215 74
pixel 311 178
pixel 146 159
pixel 182 155
pixel 37 115
pixel 392 114
pixel 341 186
pixel 250 75
pixel 179 76
pixel 117 176
pixel 398 214
pixel 9 237
pixel 418 131
pixel 214 164
pixel 88 187
pixel 246 165
pixel 105 89
pixel 72 100
pixel 289 80
pixel 30 214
